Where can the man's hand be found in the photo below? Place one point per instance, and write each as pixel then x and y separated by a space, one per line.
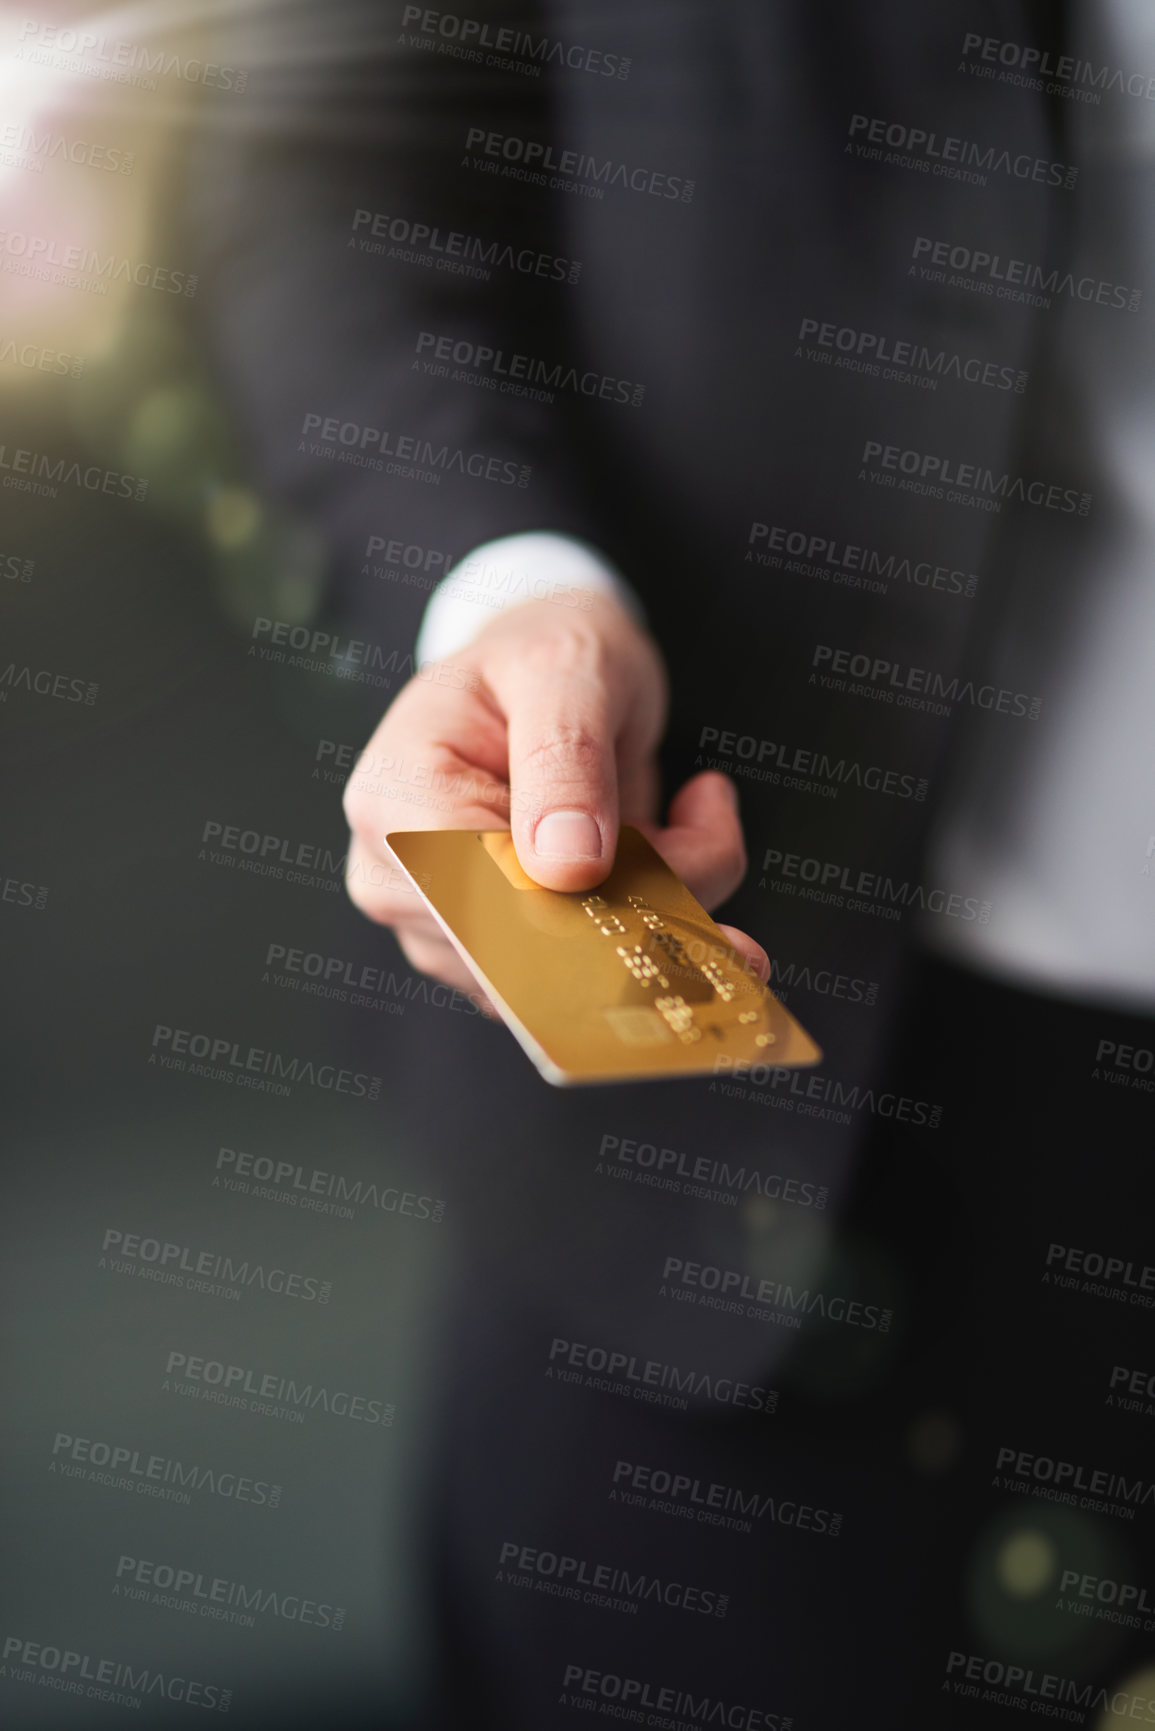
pixel 546 724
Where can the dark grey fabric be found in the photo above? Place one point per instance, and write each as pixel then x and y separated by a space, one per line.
pixel 701 301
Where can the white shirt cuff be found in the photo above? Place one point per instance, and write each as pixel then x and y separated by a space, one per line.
pixel 499 574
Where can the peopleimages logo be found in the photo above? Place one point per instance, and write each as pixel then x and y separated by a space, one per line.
pixel 117 60
pixel 39 472
pixel 662 1492
pixel 1124 1066
pixel 806 769
pixel 112 1680
pixel 1017 1685
pixel 477 580
pixel 1037 68
pixel 246 1065
pixel 506 47
pixel 160 1259
pixel 1013 279
pixel 810 1094
pixel 282 857
pixel 1113 1601
pixel 900 361
pixel 738 1293
pixel 606 1585
pixel 311 1189
pixel 649 1379
pixel 21 147
pixel 214 1596
pixel 266 855
pixel 937 477
pixel 43 682
pixel 947 157
pixel 516 374
pixel 24 895
pixel 784 976
pixel 829 881
pixel 316 650
pixel 122 1467
pixel 363 985
pixel 408 779
pixel 914 687
pixel 36 359
pixel 628 1695
pixel 16 568
pixel 417 459
pixel 1060 1481
pixel 528 159
pixel 452 250
pixel 266 1393
pixel 847 563
pixel 1140 1386
pixel 1100 1276
pixel 404 562
pixel 39 253
pixel 702 1176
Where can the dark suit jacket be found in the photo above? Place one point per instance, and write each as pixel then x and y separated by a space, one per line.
pixel 759 307
pixel 777 268
pixel 713 305
pixel 807 271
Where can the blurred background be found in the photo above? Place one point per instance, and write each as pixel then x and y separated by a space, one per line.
pixel 151 757
pixel 148 602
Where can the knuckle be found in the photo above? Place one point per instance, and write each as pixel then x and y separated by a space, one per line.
pixel 366 900
pixel 365 887
pixel 566 647
pixel 568 749
pixel 411 949
pixel 732 862
pixel 358 805
pixel 423 954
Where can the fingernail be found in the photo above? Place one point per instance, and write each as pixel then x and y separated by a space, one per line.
pixel 567 835
pixel 732 790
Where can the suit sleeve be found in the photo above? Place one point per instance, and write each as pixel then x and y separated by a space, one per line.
pixel 322 207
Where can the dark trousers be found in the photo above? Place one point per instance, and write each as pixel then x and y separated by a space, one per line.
pixel 938 1445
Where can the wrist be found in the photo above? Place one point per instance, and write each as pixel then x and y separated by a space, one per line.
pixel 560 571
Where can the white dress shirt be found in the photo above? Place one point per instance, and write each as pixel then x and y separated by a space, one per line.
pixel 1064 851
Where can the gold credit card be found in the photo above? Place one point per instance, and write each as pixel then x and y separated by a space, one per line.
pixel 624 983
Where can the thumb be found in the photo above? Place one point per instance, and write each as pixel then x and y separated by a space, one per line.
pixel 562 768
